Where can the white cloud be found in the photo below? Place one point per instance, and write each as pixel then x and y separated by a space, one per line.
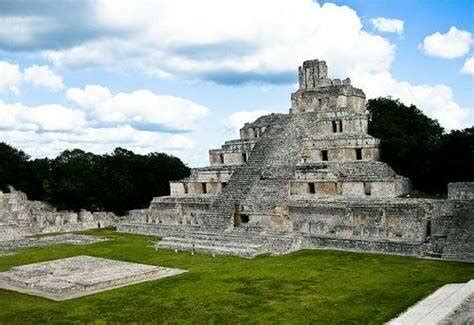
pixel 46 130
pixel 237 120
pixel 455 43
pixel 40 118
pixel 468 67
pixel 90 96
pixel 265 45
pixel 97 140
pixel 435 100
pixel 388 25
pixel 10 77
pixel 43 76
pixel 140 107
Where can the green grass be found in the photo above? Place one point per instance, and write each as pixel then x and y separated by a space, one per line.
pixel 304 287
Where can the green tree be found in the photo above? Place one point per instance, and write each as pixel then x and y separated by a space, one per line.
pixel 16 170
pixel 455 156
pixel 417 147
pixel 74 180
pixel 132 180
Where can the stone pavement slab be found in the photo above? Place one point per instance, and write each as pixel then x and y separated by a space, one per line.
pixel 438 306
pixel 79 276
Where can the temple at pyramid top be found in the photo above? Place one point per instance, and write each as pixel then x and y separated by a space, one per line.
pixel 311 73
pixel 317 92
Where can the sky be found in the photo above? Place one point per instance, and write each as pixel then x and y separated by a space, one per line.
pixel 182 76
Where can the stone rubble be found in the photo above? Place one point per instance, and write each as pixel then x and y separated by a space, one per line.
pixel 20 217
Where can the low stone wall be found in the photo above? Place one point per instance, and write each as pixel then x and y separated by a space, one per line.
pixel 452 234
pixel 358 245
pixel 421 227
pixel 379 220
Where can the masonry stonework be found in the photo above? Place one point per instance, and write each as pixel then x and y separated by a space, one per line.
pixel 20 217
pixel 308 179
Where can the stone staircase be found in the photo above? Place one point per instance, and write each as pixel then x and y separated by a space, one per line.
pixel 270 153
pixel 438 306
pixel 244 177
pixel 213 243
pixel 240 243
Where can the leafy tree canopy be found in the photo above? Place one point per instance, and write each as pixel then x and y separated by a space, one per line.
pixel 416 146
pixel 119 181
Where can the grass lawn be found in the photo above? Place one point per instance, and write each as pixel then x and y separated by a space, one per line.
pixel 304 287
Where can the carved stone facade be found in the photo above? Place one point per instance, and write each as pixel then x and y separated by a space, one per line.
pixel 310 178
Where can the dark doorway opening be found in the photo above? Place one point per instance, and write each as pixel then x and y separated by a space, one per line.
pixel 367 189
pixel 428 228
pixel 204 187
pixel 244 218
pixel 359 154
pixel 312 188
pixel 324 155
pixel 240 218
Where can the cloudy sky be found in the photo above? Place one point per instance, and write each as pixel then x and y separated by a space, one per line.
pixel 181 76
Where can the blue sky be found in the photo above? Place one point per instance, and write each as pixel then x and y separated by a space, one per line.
pixel 181 76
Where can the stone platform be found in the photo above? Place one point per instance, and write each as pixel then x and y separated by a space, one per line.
pixel 447 305
pixel 244 244
pixel 79 276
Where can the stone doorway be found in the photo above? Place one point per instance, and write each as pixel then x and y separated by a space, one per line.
pixel 240 218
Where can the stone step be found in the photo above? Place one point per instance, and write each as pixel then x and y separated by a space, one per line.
pixel 222 237
pixel 210 242
pixel 206 248
pixel 437 306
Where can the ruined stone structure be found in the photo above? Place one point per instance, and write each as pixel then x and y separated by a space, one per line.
pixel 20 217
pixel 308 179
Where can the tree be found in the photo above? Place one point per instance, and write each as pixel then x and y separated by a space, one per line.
pixel 417 147
pixel 455 156
pixel 132 180
pixel 74 181
pixel 14 169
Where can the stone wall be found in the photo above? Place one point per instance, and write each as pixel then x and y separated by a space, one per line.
pixel 420 227
pixel 33 217
pixel 461 191
pixel 396 220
